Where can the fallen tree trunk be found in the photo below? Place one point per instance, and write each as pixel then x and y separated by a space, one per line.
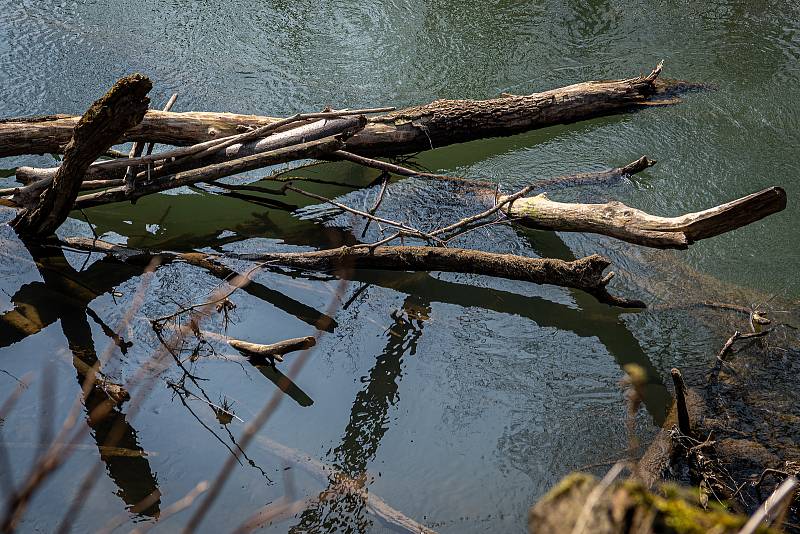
pixel 440 123
pixel 635 226
pixel 585 274
pixel 100 127
pixel 274 351
pixel 208 153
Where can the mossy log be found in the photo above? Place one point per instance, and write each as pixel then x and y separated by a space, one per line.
pixel 121 108
pixel 627 507
pixel 433 125
pixel 617 220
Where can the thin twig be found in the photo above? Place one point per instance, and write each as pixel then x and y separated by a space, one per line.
pixel 167 107
pixel 728 346
pixel 216 407
pixel 378 200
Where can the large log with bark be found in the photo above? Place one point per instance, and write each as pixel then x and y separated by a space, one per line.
pixel 121 108
pixel 586 274
pixel 615 219
pixel 437 124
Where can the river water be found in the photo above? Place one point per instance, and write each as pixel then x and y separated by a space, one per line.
pixel 458 400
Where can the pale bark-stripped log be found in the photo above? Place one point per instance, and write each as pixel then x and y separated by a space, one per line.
pixel 122 107
pixel 273 351
pixel 585 274
pixel 49 133
pixel 440 123
pixel 635 226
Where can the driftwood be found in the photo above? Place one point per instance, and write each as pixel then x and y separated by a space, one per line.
pixel 441 122
pixel 274 351
pixel 728 346
pixel 298 143
pixel 584 178
pixel 100 127
pixel 433 125
pixel 635 226
pixel 585 274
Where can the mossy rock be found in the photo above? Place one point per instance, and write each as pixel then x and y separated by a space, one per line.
pixel 627 507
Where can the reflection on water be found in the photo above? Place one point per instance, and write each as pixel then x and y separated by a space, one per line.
pixel 337 510
pixel 64 295
pixel 511 384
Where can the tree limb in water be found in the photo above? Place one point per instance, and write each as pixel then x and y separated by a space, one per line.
pixel 108 172
pixel 617 220
pixel 274 351
pixel 585 274
pixel 312 149
pixel 100 127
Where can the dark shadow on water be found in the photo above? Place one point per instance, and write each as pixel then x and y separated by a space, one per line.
pixel 283 382
pixel 64 296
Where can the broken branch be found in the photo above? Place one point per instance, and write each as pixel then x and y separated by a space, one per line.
pixel 615 219
pixel 274 351
pixel 100 127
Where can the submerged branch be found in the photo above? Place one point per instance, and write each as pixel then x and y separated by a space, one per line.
pixel 585 274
